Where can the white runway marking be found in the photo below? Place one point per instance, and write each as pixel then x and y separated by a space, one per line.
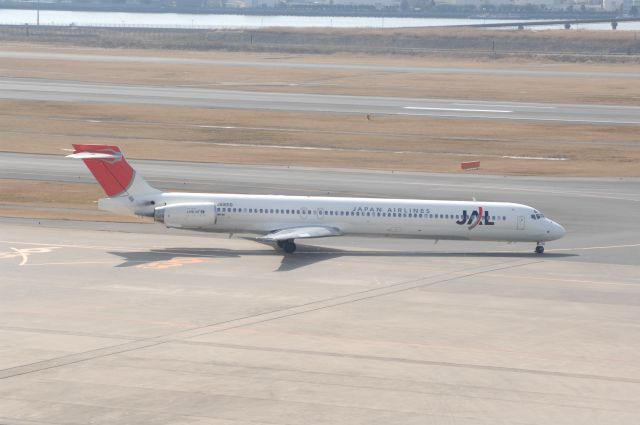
pixel 424 108
pixel 586 248
pixel 507 106
pixel 72 263
pixel 570 120
pixel 381 151
pixel 576 193
pixel 23 254
pixel 224 127
pixel 537 158
pixel 70 246
pixel 557 279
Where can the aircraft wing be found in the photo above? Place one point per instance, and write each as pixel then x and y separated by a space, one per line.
pixel 302 233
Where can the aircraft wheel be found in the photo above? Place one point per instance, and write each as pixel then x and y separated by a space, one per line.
pixel 280 244
pixel 540 249
pixel 289 246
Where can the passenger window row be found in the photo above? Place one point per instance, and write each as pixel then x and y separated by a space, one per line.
pixel 345 213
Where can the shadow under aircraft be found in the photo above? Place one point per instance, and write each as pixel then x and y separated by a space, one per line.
pixel 305 256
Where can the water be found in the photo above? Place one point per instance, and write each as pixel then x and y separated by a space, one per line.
pixel 173 20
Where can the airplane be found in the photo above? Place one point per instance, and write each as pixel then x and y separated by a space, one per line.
pixel 283 219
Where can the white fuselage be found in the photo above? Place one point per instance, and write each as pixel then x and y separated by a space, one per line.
pixel 261 214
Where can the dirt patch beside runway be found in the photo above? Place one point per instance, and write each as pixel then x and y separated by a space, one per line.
pixel 63 213
pixel 69 201
pixel 596 89
pixel 323 140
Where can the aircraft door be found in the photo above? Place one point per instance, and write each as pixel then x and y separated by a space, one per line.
pixel 304 213
pixel 520 225
pixel 320 213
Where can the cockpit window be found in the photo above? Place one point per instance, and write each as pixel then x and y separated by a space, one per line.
pixel 537 215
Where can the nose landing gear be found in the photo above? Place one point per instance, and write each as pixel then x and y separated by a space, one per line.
pixel 539 248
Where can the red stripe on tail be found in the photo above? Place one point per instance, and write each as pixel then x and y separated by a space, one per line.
pixel 114 174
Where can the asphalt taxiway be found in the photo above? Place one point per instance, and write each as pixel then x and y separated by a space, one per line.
pixel 75 91
pixel 133 323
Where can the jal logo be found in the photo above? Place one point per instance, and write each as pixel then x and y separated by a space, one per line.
pixel 477 217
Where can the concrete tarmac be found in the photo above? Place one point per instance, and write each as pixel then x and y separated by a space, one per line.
pixel 69 91
pixel 133 323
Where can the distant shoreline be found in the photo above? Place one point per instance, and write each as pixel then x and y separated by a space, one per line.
pixel 312 11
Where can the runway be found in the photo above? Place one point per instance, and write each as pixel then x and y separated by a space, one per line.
pixel 597 212
pixel 133 323
pixel 287 63
pixel 66 91
pixel 104 322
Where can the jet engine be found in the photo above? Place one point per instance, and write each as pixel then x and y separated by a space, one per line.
pixel 187 215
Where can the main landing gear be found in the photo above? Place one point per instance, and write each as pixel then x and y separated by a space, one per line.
pixel 288 246
pixel 540 248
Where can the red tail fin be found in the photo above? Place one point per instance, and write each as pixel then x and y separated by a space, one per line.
pixel 108 166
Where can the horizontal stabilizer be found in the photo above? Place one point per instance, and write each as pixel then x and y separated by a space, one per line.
pixel 93 155
pixel 302 233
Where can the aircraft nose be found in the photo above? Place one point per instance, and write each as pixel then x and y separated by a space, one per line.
pixel 557 230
